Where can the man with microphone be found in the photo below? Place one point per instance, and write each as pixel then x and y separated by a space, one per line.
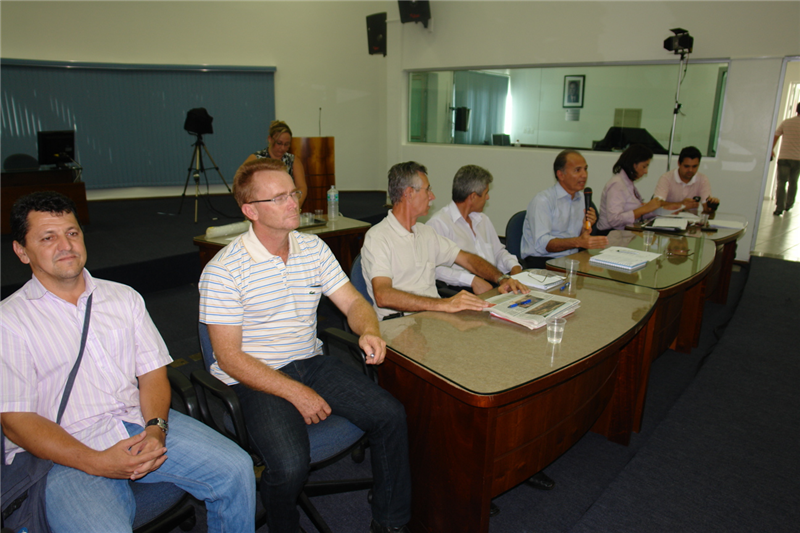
pixel 559 219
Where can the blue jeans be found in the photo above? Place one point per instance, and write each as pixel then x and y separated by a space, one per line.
pixel 200 461
pixel 278 433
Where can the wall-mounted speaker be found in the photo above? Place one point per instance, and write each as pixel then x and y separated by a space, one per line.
pixel 376 33
pixel 415 11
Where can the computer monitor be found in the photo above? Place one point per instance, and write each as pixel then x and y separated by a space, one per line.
pixel 56 147
pixel 501 139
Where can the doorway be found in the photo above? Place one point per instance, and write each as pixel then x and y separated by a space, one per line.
pixel 779 236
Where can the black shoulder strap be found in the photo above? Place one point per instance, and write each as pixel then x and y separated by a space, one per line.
pixel 74 371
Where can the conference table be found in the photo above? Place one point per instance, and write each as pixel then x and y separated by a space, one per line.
pixel 490 403
pixel 725 239
pixel 678 276
pixel 344 236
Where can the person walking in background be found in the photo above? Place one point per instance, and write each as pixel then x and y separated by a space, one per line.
pixel 788 162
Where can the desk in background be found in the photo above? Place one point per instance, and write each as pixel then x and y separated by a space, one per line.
pixel 16 184
pixel 490 403
pixel 344 236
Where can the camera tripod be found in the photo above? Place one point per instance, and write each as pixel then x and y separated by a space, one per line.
pixel 196 166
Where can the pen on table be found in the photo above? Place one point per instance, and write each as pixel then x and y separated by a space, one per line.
pixel 565 286
pixel 520 303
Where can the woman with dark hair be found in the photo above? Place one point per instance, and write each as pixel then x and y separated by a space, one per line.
pixel 621 204
pixel 278 143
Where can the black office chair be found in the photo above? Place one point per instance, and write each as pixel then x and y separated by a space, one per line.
pixel 514 234
pixel 20 162
pixel 595 231
pixel 161 507
pixel 331 440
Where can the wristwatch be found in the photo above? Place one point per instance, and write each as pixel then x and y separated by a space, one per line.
pixel 501 278
pixel 162 424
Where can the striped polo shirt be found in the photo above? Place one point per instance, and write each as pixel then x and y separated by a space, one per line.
pixel 274 303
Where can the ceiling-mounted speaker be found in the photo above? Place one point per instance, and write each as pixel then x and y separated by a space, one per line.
pixel 376 33
pixel 415 11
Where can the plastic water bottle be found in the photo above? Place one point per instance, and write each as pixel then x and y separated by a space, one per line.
pixel 333 203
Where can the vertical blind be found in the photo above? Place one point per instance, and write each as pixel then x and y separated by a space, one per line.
pixel 128 119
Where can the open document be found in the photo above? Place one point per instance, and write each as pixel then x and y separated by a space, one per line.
pixel 626 259
pixel 531 310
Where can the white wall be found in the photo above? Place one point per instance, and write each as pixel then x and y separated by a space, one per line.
pixel 319 49
pixel 755 35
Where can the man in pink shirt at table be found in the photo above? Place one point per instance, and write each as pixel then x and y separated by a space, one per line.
pixel 684 183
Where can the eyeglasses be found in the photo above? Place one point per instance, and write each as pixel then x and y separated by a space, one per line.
pixel 429 188
pixel 280 200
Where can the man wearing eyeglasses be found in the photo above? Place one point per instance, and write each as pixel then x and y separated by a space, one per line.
pixel 400 256
pixel 259 298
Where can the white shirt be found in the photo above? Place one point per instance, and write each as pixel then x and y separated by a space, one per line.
pixel 408 258
pixel 480 240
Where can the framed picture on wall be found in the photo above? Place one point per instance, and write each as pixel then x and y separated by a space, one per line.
pixel 573 91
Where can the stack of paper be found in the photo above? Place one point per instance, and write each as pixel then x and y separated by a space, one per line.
pixel 539 279
pixel 731 224
pixel 670 223
pixel 625 259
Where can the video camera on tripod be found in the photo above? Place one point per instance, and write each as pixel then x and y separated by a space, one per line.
pixel 198 123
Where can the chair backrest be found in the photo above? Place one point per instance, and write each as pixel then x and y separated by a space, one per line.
pixel 514 234
pixel 327 439
pixel 20 162
pixel 357 279
pixel 205 346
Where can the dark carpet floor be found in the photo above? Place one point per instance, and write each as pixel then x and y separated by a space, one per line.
pixel 725 458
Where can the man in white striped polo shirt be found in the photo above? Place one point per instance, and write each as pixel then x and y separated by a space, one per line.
pixel 259 298
pixel 117 424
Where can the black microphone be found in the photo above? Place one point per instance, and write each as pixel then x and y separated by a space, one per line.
pixel 587 196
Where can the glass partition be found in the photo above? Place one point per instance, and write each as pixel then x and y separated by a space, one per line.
pixel 603 107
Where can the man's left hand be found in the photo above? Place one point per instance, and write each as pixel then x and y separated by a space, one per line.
pixel 154 440
pixel 690 203
pixel 374 347
pixel 512 285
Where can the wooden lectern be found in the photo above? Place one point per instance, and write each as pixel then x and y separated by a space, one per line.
pixel 317 156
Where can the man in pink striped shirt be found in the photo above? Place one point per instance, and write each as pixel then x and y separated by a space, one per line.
pixel 117 425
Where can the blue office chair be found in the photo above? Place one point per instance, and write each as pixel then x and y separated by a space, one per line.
pixel 331 440
pixel 514 234
pixel 161 507
pixel 357 279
